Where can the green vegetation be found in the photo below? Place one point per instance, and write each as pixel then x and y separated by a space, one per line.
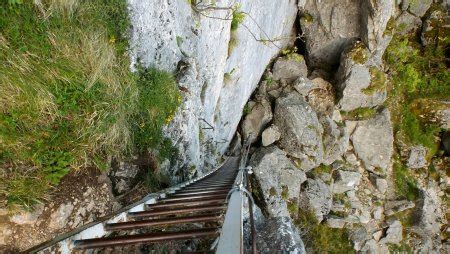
pixel 68 98
pixel 321 169
pixel 359 114
pixel 358 52
pixel 377 81
pixel 291 54
pixel 405 183
pixel 321 238
pixel 416 73
pixel 237 17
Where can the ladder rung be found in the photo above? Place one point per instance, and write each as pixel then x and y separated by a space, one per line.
pixel 181 210
pixel 185 203
pixel 145 238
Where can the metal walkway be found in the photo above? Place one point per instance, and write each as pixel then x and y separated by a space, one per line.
pixel 192 210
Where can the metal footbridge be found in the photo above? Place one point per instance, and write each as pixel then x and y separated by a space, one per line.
pixel 209 207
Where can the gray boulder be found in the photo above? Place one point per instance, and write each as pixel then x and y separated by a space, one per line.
pixel 270 135
pixel 416 7
pixel 335 140
pixel 373 141
pixel 394 233
pixel 345 181
pixel 322 97
pixel 278 178
pixel 359 85
pixel 301 130
pixel 316 197
pixel 407 23
pixel 289 68
pixel 259 116
pixel 417 157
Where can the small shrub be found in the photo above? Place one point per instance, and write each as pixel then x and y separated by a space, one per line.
pixel 237 18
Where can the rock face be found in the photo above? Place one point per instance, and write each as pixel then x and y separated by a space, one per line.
pixel 279 181
pixel 275 234
pixel 302 131
pixel 278 178
pixel 373 141
pixel 166 34
pixel 329 26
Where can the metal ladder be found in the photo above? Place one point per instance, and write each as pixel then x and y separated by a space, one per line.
pixel 202 201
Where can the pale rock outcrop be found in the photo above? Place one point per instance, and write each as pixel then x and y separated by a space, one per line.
pixel 289 68
pixel 373 141
pixel 301 129
pixel 276 175
pixel 168 34
pixel 316 197
pixel 255 122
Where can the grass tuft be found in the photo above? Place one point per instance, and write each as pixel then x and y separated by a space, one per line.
pixel 321 238
pixel 68 98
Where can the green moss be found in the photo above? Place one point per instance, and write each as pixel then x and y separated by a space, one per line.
pixel 377 81
pixel 321 169
pixel 358 114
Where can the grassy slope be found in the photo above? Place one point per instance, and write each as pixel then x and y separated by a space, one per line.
pixel 68 99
